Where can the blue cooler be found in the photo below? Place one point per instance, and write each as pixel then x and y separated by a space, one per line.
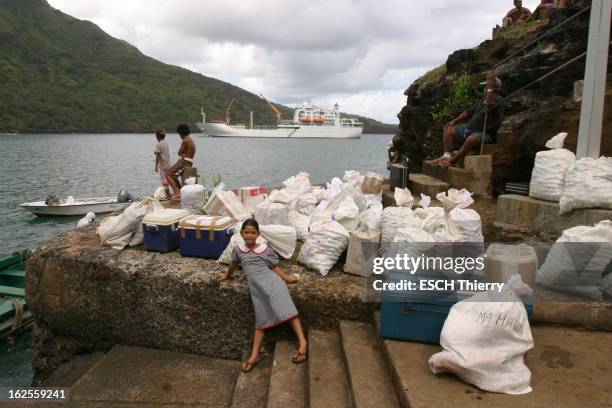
pixel 160 229
pixel 205 236
pixel 420 316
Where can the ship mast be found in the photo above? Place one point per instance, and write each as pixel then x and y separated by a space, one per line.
pixel 276 111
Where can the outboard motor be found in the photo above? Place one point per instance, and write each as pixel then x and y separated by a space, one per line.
pixel 125 197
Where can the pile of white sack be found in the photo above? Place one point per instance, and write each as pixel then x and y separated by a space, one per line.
pixel 126 228
pixel 557 176
pixel 321 217
pixel 453 222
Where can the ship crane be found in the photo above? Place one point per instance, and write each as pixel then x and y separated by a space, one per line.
pixel 227 112
pixel 276 111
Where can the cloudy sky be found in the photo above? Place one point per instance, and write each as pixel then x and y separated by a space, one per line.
pixel 360 53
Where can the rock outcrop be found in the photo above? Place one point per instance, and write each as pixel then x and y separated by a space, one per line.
pixel 532 117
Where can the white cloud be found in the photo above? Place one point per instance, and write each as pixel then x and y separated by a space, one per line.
pixel 362 52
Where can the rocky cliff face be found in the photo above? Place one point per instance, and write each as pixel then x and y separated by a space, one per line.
pixel 532 116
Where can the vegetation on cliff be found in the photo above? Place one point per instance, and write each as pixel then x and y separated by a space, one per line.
pixel 61 74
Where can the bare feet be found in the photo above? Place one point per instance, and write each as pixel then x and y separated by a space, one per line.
pixel 445 162
pixel 439 159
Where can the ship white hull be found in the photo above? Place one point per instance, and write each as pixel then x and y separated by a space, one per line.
pixel 297 132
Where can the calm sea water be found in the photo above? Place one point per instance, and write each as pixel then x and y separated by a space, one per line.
pixel 34 166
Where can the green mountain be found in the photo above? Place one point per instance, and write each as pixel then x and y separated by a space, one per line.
pixel 61 74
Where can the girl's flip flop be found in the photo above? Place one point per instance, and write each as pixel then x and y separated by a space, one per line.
pixel 299 358
pixel 248 365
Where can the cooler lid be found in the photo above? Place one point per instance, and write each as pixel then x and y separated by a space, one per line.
pixel 209 222
pixel 166 216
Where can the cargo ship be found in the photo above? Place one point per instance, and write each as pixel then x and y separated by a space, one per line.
pixel 309 121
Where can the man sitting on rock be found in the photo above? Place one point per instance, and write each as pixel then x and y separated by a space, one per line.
pixel 544 9
pixel 186 153
pixel 516 15
pixel 468 136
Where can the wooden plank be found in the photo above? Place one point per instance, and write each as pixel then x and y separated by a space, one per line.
pixel 12 292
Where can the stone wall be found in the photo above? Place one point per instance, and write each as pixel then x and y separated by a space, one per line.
pixel 86 297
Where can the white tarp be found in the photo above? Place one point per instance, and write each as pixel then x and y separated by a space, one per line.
pixel 485 338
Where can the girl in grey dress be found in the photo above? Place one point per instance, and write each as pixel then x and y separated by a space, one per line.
pixel 268 286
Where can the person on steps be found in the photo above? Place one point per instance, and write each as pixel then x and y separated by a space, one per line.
pixel 468 136
pixel 268 287
pixel 544 9
pixel 186 153
pixel 162 158
pixel 516 15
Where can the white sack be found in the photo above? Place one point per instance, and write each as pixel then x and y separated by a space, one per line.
pixel 118 231
pixel 269 213
pixel 298 184
pixel 455 198
pixel 326 242
pixel 160 193
pixel 306 203
pixel 550 167
pixel 347 214
pixel 580 270
pixel 485 338
pixel 353 178
pixel 318 192
pixel 370 218
pixel 283 196
pixel 468 224
pixel 281 238
pixel 394 218
pixel 193 196
pixel 362 246
pixel 301 223
pixel 86 220
pixel 226 256
pixel 333 189
pixel 403 197
pixel 321 213
pixel 588 184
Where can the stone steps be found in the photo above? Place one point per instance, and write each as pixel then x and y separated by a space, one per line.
pixel 251 390
pixel 150 377
pixel 475 175
pixel 424 184
pixel 328 384
pixel 368 375
pixel 288 380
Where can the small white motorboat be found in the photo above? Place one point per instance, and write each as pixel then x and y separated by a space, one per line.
pixel 76 206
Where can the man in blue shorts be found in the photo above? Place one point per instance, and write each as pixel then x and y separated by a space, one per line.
pixel 467 136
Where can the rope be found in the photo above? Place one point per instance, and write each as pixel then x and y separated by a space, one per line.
pixel 16 319
pixel 584 10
